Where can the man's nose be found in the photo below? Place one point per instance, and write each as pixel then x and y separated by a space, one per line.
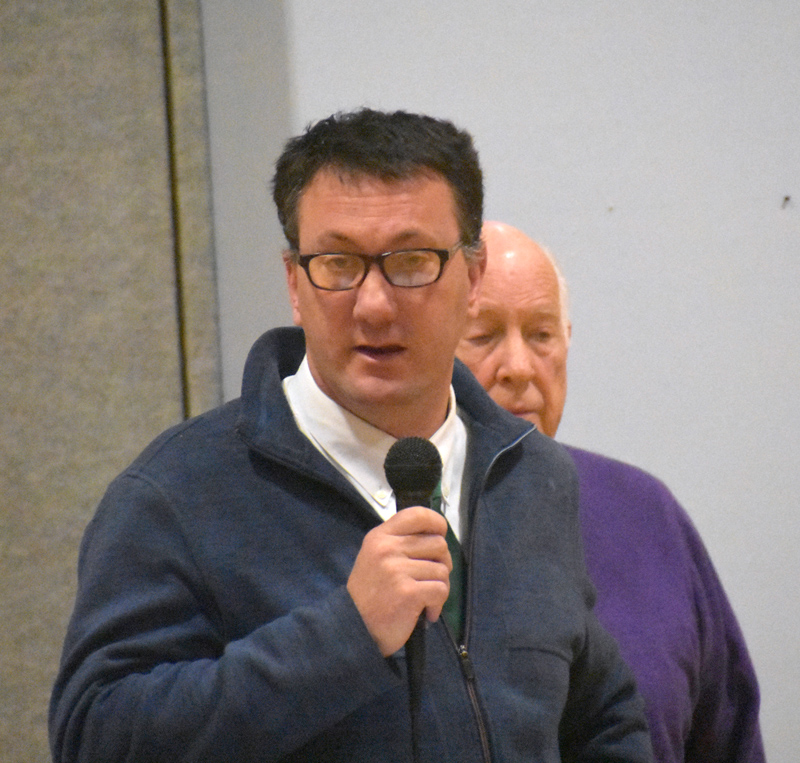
pixel 375 296
pixel 518 360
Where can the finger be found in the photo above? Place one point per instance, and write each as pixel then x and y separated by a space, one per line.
pixel 424 571
pixel 430 548
pixel 414 520
pixel 436 598
pixel 427 595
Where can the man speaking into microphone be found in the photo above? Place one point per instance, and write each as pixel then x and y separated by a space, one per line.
pixel 247 587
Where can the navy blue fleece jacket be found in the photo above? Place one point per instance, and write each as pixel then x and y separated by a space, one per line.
pixel 212 622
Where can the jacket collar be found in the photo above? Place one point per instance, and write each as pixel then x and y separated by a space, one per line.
pixel 266 422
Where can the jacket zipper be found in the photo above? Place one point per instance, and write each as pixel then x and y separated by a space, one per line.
pixel 465 661
pixel 469 674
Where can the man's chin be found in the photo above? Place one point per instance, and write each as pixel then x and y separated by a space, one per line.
pixel 374 393
pixel 524 413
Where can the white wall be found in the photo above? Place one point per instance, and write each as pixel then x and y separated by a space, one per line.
pixel 652 147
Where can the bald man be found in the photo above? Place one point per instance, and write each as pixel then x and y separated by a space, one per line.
pixel 657 590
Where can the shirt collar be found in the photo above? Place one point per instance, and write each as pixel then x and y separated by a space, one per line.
pixel 358 449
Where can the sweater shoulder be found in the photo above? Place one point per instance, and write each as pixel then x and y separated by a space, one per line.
pixel 611 476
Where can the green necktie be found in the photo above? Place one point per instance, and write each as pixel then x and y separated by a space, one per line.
pixel 453 607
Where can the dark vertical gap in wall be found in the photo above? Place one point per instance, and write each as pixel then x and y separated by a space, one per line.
pixel 169 103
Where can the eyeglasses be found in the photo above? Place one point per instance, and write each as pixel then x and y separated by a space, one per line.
pixel 407 268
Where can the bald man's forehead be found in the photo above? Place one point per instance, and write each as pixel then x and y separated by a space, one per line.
pixel 519 276
pixel 521 272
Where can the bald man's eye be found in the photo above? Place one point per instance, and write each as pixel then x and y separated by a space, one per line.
pixel 540 335
pixel 481 339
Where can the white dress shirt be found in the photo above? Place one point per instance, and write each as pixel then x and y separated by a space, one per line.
pixel 358 449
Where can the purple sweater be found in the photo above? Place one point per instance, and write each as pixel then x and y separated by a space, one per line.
pixel 658 594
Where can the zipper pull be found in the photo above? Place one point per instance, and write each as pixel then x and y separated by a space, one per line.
pixel 466 663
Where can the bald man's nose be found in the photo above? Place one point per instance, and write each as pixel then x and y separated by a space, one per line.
pixel 518 360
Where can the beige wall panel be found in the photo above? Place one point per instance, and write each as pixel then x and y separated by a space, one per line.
pixel 90 366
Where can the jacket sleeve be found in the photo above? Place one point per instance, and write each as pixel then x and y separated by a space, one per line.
pixel 603 720
pixel 149 672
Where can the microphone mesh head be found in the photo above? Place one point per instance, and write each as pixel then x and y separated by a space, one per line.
pixel 413 464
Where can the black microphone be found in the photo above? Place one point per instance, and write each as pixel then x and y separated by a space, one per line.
pixel 413 469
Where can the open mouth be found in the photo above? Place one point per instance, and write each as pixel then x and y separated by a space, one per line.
pixel 380 353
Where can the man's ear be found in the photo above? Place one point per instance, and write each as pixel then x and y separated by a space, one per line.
pixel 476 267
pixel 291 282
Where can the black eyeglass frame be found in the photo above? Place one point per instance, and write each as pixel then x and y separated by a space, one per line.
pixel 444 256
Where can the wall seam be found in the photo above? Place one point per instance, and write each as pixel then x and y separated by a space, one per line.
pixel 175 221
